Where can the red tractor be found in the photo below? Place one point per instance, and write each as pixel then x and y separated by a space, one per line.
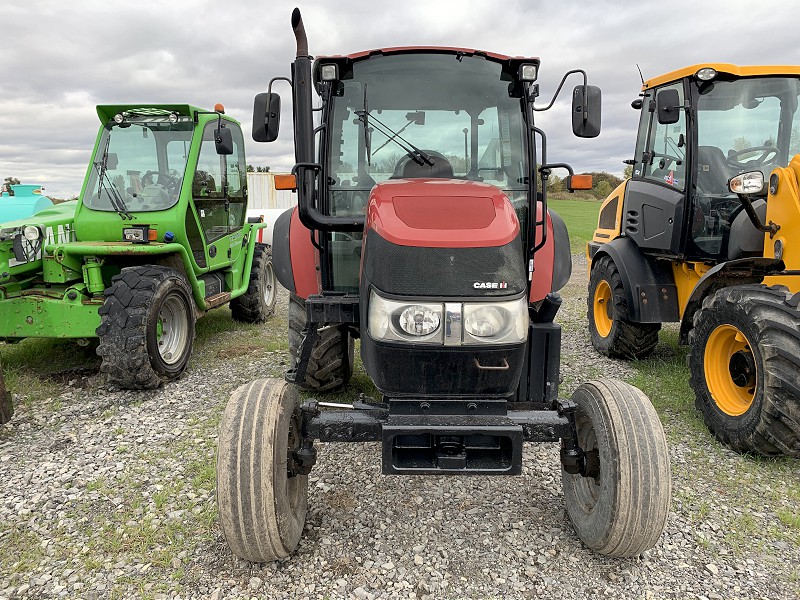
pixel 422 229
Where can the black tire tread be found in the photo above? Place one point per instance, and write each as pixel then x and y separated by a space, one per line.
pixel 775 429
pixel 250 306
pixel 627 339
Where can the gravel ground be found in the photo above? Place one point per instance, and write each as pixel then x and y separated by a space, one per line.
pixel 109 493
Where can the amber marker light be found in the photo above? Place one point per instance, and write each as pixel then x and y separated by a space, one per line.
pixel 285 182
pixel 579 182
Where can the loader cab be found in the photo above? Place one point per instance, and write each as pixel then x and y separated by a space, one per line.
pixel 699 127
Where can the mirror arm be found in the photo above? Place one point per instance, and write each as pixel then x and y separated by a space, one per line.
pixel 561 85
pixel 771 228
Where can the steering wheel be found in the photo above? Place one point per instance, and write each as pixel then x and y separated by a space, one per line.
pixel 172 181
pixel 768 155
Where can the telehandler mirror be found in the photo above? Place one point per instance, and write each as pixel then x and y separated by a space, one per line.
pixel 586 106
pixel 266 117
pixel 223 141
pixel 668 105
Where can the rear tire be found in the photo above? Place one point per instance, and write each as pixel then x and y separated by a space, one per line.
pixel 257 304
pixel 613 335
pixel 146 327
pixel 622 511
pixel 331 364
pixel 745 368
pixel 262 509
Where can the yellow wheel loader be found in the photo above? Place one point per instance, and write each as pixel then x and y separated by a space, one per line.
pixel 706 231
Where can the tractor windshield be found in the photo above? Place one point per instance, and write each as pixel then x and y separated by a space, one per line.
pixel 139 166
pixel 742 125
pixel 450 109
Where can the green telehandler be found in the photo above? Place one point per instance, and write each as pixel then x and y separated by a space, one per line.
pixel 158 237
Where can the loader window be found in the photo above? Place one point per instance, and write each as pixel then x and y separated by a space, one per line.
pixel 219 186
pixel 665 151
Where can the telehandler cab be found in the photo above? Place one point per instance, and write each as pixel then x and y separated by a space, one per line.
pixel 157 238
pixel 705 232
pixel 422 228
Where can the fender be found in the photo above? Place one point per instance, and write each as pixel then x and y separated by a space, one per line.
pixel 294 257
pixel 733 272
pixel 553 261
pixel 650 290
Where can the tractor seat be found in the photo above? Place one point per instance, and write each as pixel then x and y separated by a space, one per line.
pixel 712 171
pixel 408 168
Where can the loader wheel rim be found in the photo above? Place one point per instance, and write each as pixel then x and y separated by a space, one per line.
pixel 172 330
pixel 730 370
pixel 602 309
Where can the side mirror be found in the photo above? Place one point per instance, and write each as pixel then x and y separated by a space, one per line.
pixel 586 107
pixel 668 105
pixel 266 117
pixel 223 141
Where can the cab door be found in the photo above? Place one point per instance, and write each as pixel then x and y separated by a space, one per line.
pixel 655 198
pixel 219 199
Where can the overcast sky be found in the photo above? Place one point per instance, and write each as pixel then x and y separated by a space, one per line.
pixel 59 59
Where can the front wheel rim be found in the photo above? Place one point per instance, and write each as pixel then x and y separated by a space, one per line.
pixel 602 309
pixel 722 359
pixel 172 330
pixel 269 287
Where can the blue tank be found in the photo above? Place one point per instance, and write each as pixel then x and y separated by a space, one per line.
pixel 26 201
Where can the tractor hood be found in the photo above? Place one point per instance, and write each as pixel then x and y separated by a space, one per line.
pixel 441 213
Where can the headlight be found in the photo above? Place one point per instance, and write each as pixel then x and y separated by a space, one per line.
pixel 495 322
pixel 483 322
pixel 393 320
pixel 747 183
pixel 31 233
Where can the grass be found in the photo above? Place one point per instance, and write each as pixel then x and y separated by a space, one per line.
pixel 580 215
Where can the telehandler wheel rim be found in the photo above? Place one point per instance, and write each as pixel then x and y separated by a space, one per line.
pixel 172 330
pixel 269 284
pixel 730 370
pixel 602 309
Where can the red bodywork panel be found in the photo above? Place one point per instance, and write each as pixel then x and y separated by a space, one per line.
pixel 542 278
pixel 441 213
pixel 442 49
pixel 305 258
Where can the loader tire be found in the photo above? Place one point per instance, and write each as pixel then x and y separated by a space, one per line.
pixel 611 333
pixel 331 364
pixel 257 304
pixel 262 505
pixel 745 368
pixel 146 327
pixel 621 508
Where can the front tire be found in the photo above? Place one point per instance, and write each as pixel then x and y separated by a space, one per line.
pixel 612 334
pixel 257 304
pixel 745 368
pixel 623 510
pixel 262 508
pixel 331 364
pixel 146 327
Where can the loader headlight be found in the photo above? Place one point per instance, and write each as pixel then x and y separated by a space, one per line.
pixel 31 233
pixel 495 322
pixel 751 182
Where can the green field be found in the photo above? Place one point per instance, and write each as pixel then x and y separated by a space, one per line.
pixel 580 216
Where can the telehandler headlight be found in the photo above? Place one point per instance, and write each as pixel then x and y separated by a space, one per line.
pixel 751 182
pixel 119 118
pixel 31 233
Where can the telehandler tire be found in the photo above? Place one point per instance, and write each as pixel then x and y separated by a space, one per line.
pixel 331 364
pixel 257 304
pixel 262 509
pixel 146 327
pixel 745 368
pixel 612 334
pixel 623 510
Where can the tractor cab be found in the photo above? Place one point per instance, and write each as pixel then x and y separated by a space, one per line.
pixel 700 127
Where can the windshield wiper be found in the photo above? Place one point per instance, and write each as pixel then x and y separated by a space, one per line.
pixel 415 153
pixel 111 190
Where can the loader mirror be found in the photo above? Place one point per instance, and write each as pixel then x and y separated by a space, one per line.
pixel 266 117
pixel 668 105
pixel 223 141
pixel 586 106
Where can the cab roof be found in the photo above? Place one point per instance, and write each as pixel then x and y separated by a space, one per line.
pixel 735 70
pixel 434 49
pixel 106 112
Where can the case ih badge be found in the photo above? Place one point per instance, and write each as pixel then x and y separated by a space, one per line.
pixel 490 285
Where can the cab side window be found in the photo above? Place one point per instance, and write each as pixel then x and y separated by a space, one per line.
pixel 219 188
pixel 663 157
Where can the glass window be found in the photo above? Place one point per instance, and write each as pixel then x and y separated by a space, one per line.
pixel 219 188
pixel 665 159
